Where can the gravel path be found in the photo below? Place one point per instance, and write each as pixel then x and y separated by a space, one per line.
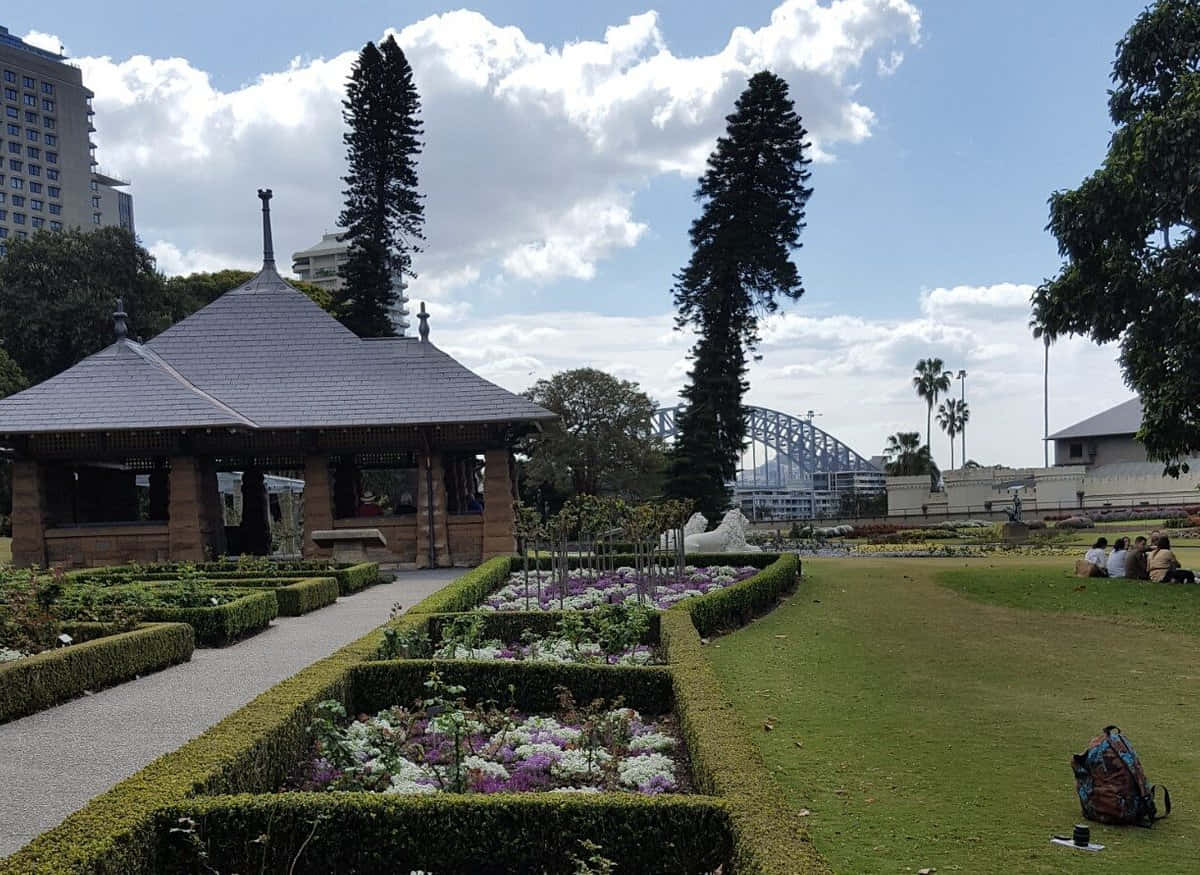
pixel 53 762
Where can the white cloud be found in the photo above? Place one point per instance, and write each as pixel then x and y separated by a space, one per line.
pixel 855 371
pixel 533 152
pixel 48 41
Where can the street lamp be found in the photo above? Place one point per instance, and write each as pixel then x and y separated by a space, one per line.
pixel 962 378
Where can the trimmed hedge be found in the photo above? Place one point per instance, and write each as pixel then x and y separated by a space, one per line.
pixel 219 625
pixel 374 834
pixel 54 676
pixel 769 835
pixel 295 596
pixel 350 578
pixel 755 560
pixel 508 625
pixel 736 605
pixel 527 686
pixel 467 591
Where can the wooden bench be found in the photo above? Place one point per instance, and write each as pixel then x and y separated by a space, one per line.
pixel 349 545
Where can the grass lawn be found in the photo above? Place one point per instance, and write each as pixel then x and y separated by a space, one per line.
pixel 925 728
pixel 5 551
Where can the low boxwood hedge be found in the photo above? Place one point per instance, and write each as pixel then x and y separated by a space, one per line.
pixel 467 591
pixel 769 835
pixel 350 578
pixel 449 835
pixel 508 625
pixel 45 679
pixel 736 605
pixel 700 560
pixel 219 625
pixel 295 595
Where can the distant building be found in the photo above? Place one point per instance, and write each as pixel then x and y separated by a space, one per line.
pixel 320 264
pixel 49 175
pixel 1098 463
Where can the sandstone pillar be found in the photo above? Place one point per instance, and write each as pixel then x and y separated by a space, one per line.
pixel 318 505
pixel 191 529
pixel 498 514
pixel 28 513
pixel 431 513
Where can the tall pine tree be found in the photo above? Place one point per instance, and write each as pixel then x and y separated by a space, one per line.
pixel 383 216
pixel 753 195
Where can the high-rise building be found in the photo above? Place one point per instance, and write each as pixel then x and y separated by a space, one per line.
pixel 49 176
pixel 319 264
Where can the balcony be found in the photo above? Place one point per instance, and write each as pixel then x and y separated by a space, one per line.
pixel 107 177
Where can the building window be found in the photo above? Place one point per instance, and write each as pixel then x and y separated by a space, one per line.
pixel 48 105
pixel 51 157
pixel 2 197
pixel 14 130
pixel 32 136
pixel 30 117
pixel 95 218
pixel 54 191
pixel 30 100
pixel 28 82
pixel 51 173
pixel 10 76
pixel 3 215
pixel 1076 451
pixel 35 204
pixel 3 233
pixel 48 88
pixel 14 164
pixel 18 218
pixel 35 188
pixel 34 169
pixel 33 152
pixel 95 202
pixel 94 186
pixel 37 221
pixel 14 148
pixel 14 182
pixel 21 235
pixel 47 123
pixel 10 93
pixel 56 209
pixel 18 200
pixel 12 112
pixel 51 140
pixel 56 226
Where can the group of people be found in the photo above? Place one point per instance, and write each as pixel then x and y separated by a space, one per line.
pixel 1139 560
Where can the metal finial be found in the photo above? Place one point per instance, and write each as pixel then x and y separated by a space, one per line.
pixel 424 329
pixel 264 195
pixel 119 317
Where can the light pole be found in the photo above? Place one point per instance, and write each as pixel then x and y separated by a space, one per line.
pixel 962 379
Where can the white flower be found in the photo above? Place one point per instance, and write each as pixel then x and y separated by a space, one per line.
pixel 576 763
pixel 635 771
pixel 651 741
pixel 7 655
pixel 486 767
pixel 525 751
pixel 575 790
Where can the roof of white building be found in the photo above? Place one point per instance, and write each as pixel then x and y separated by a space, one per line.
pixel 1125 418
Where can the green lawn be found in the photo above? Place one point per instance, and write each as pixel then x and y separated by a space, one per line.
pixel 5 551
pixel 925 728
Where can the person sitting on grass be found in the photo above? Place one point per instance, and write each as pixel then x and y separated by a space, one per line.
pixel 1118 557
pixel 1164 567
pixel 1135 561
pixel 1098 557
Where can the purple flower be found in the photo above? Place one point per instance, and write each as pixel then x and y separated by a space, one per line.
pixel 657 784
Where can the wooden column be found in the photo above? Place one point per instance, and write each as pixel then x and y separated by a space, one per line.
pixel 498 514
pixel 191 529
pixel 431 512
pixel 318 505
pixel 28 513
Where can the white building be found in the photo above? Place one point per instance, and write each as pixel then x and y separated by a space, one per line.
pixel 320 264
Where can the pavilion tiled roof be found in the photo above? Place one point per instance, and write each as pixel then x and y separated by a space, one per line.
pixel 262 356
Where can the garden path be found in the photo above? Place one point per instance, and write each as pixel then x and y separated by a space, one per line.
pixel 54 761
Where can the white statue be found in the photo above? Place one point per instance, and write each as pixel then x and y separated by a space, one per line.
pixel 728 537
pixel 696 524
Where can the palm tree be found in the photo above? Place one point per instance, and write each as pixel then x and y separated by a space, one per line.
pixel 953 415
pixel 931 380
pixel 906 457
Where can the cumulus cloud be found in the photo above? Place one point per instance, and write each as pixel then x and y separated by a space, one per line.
pixel 533 152
pixel 855 371
pixel 47 41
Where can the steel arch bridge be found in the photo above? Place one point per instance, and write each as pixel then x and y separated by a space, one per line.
pixel 801 450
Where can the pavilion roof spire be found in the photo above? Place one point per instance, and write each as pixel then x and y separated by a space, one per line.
pixel 119 325
pixel 424 329
pixel 264 195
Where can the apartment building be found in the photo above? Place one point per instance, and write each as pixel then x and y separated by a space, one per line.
pixel 49 175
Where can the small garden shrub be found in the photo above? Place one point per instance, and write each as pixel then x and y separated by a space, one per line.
pixel 468 590
pixel 295 596
pixel 350 578
pixel 216 626
pixel 53 676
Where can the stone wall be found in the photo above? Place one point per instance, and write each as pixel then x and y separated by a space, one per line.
pixel 498 514
pixel 465 534
pixel 91 546
pixel 400 532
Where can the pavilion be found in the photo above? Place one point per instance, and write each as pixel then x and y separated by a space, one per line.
pixel 389 433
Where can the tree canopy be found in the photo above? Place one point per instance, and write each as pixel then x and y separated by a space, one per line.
pixel 754 195
pixel 383 214
pixel 602 443
pixel 906 457
pixel 1128 233
pixel 189 293
pixel 930 380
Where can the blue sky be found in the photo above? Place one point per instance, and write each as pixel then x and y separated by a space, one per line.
pixel 927 222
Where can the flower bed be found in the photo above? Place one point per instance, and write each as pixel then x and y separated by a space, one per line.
pixel 587 588
pixel 450 748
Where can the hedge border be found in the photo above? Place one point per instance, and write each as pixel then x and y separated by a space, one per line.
pixel 350 578
pixel 528 832
pixel 224 624
pixel 46 679
pixel 295 595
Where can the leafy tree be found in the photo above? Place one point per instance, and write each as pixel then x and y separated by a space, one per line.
pixel 953 415
pixel 906 457
pixel 930 381
pixel 1128 233
pixel 753 195
pixel 383 215
pixel 189 293
pixel 602 443
pixel 58 291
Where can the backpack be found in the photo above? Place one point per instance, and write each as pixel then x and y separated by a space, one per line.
pixel 1111 784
